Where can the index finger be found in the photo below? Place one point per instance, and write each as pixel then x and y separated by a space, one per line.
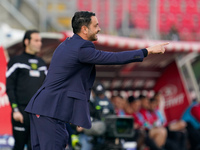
pixel 163 44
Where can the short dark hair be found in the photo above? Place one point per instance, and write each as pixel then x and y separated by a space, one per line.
pixel 132 99
pixel 27 35
pixel 152 100
pixel 142 96
pixel 81 18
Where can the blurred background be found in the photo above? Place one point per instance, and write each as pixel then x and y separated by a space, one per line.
pixel 147 19
pixel 125 25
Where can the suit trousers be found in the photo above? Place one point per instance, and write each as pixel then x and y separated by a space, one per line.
pixel 48 133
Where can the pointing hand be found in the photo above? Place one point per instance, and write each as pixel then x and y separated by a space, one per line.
pixel 157 49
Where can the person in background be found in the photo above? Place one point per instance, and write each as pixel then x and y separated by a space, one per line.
pixel 160 106
pixel 101 101
pixel 174 34
pixel 145 105
pixel 192 118
pixel 145 137
pixel 25 75
pixel 119 104
pixel 157 133
pixel 175 131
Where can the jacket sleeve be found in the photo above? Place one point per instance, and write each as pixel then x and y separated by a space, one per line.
pixel 88 54
pixel 11 76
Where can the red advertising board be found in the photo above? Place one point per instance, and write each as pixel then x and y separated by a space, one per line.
pixel 5 110
pixel 175 95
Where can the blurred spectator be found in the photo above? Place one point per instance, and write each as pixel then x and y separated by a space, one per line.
pixel 154 138
pixel 157 118
pixel 101 102
pixel 173 34
pixel 25 75
pixel 135 105
pixel 191 117
pixel 79 140
pixel 119 104
pixel 157 133
pixel 160 107
pixel 158 102
pixel 145 111
pixel 176 135
pixel 196 112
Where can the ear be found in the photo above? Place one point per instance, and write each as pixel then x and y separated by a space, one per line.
pixel 84 29
pixel 26 42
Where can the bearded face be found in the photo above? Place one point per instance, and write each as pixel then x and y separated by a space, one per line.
pixel 93 29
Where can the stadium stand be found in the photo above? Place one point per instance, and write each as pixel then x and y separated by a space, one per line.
pixel 184 14
pixel 181 13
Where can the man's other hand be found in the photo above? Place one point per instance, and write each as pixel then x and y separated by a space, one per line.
pixel 17 116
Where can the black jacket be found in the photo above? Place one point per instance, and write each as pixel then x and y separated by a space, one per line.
pixel 25 74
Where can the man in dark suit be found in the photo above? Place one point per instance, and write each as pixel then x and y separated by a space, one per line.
pixel 64 95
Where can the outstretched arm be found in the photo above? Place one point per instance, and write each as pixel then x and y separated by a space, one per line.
pixel 88 54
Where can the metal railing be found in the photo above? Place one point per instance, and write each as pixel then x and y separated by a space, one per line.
pixel 47 17
pixel 16 14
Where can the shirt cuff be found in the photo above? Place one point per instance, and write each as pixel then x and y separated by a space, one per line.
pixel 145 52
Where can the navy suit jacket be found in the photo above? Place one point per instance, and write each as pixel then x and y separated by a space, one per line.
pixel 65 92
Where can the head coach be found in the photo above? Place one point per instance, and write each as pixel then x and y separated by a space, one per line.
pixel 64 95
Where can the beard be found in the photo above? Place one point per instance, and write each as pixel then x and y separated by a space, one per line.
pixel 93 37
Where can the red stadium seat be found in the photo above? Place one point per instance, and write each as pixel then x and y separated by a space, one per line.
pixel 175 6
pixel 143 6
pixel 164 23
pixel 164 6
pixel 187 21
pixel 132 7
pixel 85 5
pixel 191 7
pixel 186 35
pixel 142 21
pixel 184 14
